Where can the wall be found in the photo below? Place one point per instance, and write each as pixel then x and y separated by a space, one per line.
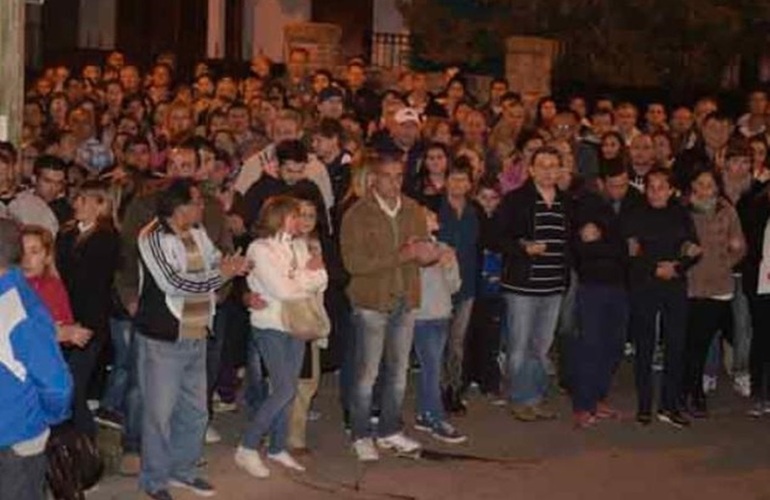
pixel 269 18
pixel 97 24
pixel 387 18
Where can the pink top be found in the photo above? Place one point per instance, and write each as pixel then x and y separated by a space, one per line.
pixel 51 291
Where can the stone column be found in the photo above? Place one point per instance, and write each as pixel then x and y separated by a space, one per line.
pixel 11 69
pixel 215 33
pixel 321 40
pixel 528 66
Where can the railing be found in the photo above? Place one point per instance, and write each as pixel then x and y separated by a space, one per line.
pixel 391 50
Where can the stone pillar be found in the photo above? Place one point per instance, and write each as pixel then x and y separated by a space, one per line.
pixel 11 69
pixel 270 17
pixel 321 40
pixel 215 33
pixel 528 66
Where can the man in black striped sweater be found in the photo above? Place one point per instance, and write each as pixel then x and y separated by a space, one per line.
pixel 534 222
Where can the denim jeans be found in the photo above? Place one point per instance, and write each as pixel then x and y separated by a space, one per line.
pixel 532 324
pixel 381 338
pixel 603 314
pixel 22 478
pixel 256 384
pixel 214 345
pixel 742 331
pixel 282 355
pixel 430 338
pixel 172 378
pixel 121 335
pixel 132 419
pixel 454 354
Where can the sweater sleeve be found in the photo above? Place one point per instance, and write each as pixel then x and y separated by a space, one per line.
pixel 270 275
pixel 170 279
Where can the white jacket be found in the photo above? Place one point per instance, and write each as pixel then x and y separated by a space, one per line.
pixel 280 273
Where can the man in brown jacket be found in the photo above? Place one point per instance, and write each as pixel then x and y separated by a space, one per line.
pixel 384 241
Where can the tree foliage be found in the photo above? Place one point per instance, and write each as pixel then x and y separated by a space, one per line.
pixel 638 42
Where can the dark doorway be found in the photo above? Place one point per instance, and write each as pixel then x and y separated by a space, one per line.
pixel 355 19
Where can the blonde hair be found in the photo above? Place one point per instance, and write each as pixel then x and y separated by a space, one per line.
pixel 273 215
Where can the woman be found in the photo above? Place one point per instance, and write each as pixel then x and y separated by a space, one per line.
pixel 293 273
pixel 759 165
pixel 546 112
pixel 514 172
pixel 87 258
pixel 710 284
pixel 58 109
pixel 431 185
pixel 613 146
pixel 664 152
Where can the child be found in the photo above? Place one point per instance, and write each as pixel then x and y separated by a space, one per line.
pixel 485 328
pixel 37 263
pixel 439 281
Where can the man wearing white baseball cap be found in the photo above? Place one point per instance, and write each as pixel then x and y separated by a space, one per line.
pixel 405 138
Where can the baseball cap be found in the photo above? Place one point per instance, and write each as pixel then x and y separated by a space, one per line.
pixel 330 93
pixel 406 115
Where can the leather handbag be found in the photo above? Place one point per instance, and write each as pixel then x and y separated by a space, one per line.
pixel 305 319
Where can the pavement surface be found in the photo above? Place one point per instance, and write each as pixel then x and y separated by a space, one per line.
pixel 724 457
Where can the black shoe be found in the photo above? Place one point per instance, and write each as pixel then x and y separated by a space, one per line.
pixel 644 418
pixel 698 408
pixel 673 418
pixel 197 486
pixel 159 495
pixel 447 398
pixel 458 406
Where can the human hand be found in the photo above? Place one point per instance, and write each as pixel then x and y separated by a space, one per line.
pixel 316 263
pixel 254 301
pixel 533 248
pixel 235 265
pixel 634 249
pixel 691 250
pixel 75 335
pixel 590 233
pixel 666 270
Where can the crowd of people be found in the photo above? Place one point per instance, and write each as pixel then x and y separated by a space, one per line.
pixel 173 248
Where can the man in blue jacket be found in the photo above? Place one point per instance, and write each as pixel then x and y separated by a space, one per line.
pixel 35 384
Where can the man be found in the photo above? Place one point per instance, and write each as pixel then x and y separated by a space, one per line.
pixel 295 81
pixel 331 103
pixel 327 146
pixel 181 270
pixel 361 99
pixel 683 135
pixel 753 122
pixel 383 240
pixel 642 152
pixel 626 115
pixel 238 122
pixel 662 245
pixel 601 263
pixel 716 131
pixel 90 153
pixel 459 228
pixel 534 227
pixel 493 109
pixel 130 79
pixel 404 138
pixel 45 205
pixel 35 383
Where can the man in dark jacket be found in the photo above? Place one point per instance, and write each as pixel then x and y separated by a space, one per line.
pixel 534 228
pixel 602 303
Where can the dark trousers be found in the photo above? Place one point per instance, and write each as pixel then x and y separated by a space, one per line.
pixel 670 301
pixel 82 364
pixel 603 314
pixel 705 318
pixel 483 344
pixel 21 478
pixel 759 356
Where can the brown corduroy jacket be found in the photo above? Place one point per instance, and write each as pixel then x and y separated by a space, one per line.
pixel 370 254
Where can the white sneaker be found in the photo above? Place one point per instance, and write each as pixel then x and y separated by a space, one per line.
pixel 365 450
pixel 399 443
pixel 251 462
pixel 709 384
pixel 287 461
pixel 742 385
pixel 212 435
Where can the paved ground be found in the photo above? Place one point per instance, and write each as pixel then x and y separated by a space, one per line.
pixel 725 457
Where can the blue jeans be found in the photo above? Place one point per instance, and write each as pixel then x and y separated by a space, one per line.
pixel 532 324
pixel 381 338
pixel 603 314
pixel 430 338
pixel 22 478
pixel 121 335
pixel 256 384
pixel 282 355
pixel 172 378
